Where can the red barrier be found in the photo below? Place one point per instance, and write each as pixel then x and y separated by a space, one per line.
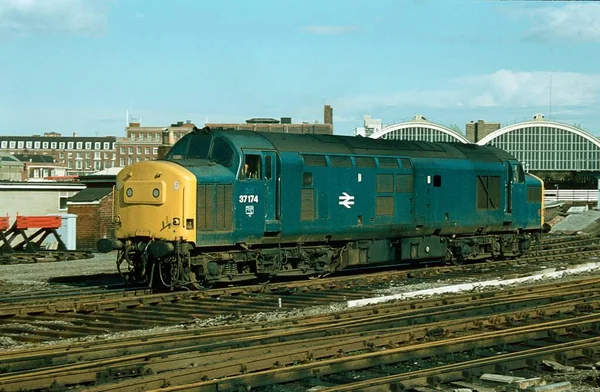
pixel 45 225
pixel 4 225
pixel 38 222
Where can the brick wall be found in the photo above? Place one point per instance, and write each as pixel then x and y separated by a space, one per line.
pixel 94 221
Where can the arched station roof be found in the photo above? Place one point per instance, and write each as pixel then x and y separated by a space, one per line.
pixel 419 129
pixel 541 144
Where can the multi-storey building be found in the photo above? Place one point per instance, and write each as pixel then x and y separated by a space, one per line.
pixel 142 143
pixel 80 154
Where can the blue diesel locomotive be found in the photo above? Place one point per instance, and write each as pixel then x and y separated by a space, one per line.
pixel 231 205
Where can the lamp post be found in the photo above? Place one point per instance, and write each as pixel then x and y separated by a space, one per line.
pixel 556 186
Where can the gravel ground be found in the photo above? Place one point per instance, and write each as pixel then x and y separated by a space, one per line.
pixel 49 275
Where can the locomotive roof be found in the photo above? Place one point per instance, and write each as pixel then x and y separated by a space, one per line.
pixel 356 145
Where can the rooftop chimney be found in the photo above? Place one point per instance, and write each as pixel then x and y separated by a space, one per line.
pixel 328 115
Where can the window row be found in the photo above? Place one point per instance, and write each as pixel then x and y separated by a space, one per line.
pixel 156 136
pixel 88 155
pixel 96 165
pixel 129 161
pixel 138 150
pixel 346 161
pixel 56 145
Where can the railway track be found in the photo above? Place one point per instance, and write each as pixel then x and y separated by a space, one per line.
pixel 120 300
pixel 563 317
pixel 93 332
pixel 43 256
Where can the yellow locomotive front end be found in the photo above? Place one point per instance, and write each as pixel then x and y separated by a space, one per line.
pixel 154 219
pixel 157 200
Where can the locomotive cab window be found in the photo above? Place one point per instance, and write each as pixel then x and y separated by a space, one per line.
pixel 222 153
pixel 179 150
pixel 251 168
pixel 199 145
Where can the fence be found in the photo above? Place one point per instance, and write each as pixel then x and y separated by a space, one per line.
pixel 589 195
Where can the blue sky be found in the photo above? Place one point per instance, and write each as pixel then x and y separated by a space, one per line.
pixel 77 65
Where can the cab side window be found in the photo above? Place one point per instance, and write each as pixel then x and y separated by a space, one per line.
pixel 519 176
pixel 251 168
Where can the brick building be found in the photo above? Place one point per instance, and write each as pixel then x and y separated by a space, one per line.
pixel 94 209
pixel 142 143
pixel 80 155
pixel 480 129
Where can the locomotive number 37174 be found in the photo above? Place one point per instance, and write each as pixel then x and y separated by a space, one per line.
pixel 248 199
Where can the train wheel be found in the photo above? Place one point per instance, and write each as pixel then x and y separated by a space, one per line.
pixel 194 284
pixel 450 259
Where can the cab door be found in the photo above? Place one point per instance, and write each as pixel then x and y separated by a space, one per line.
pixel 271 176
pixel 509 188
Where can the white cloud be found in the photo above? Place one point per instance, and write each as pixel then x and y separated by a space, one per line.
pixel 331 30
pixel 503 88
pixel 509 88
pixel 574 22
pixel 43 16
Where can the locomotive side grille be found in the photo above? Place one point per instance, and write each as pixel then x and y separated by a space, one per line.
pixel 404 183
pixel 224 207
pixel 385 183
pixel 215 207
pixel 205 214
pixel 201 207
pixel 307 204
pixel 385 205
pixel 534 194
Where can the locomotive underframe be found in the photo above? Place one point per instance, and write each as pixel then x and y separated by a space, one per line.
pixel 181 264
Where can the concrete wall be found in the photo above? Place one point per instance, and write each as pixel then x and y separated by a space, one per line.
pixel 29 202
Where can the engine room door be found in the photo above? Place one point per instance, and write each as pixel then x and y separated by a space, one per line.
pixel 272 192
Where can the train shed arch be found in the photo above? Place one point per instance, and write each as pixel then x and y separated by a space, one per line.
pixel 545 145
pixel 419 128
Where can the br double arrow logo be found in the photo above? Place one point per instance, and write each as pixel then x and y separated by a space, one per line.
pixel 346 200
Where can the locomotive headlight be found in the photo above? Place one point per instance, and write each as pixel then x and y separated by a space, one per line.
pixel 176 221
pixel 129 192
pixel 156 192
